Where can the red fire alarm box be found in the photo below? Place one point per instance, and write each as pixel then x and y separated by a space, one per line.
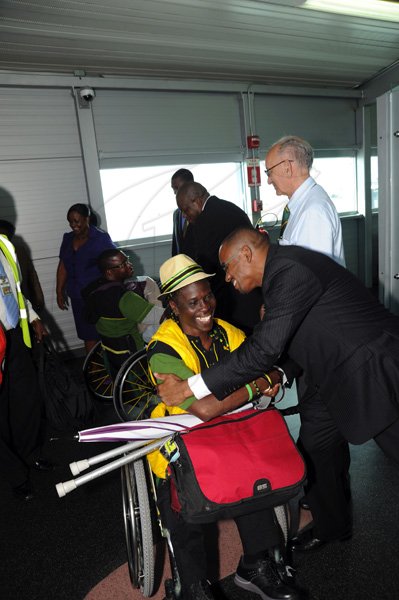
pixel 253 171
pixel 253 141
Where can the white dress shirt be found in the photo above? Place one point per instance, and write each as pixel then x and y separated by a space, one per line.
pixel 314 222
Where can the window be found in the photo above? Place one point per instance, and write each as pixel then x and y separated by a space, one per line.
pixel 374 182
pixel 337 175
pixel 139 202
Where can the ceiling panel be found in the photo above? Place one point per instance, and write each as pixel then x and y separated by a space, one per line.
pixel 242 40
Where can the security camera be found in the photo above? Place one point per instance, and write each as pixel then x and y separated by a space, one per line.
pixel 87 94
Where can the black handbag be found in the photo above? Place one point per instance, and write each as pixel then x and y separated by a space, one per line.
pixel 68 404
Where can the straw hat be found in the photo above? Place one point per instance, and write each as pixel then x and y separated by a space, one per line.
pixel 179 271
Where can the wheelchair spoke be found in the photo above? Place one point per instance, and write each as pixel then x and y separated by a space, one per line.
pixel 96 375
pixel 134 392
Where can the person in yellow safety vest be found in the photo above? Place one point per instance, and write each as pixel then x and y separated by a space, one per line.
pixel 20 402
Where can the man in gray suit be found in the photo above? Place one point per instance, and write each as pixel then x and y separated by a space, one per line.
pixel 344 340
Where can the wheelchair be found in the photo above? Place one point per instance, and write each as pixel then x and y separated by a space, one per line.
pixel 134 397
pixel 96 375
pixel 132 393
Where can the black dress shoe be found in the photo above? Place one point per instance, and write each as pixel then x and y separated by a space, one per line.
pixel 308 542
pixel 43 465
pixel 23 491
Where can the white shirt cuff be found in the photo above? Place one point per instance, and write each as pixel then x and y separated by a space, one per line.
pixel 284 379
pixel 198 387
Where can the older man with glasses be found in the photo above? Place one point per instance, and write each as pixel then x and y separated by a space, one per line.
pixel 310 218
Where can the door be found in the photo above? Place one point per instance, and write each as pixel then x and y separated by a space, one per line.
pixel 388 177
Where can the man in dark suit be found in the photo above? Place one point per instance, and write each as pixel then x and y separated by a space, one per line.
pixel 210 221
pixel 180 225
pixel 344 340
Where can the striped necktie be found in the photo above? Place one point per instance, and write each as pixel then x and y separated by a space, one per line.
pixel 284 220
pixel 8 250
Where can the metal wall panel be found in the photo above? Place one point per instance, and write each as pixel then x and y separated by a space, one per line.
pixel 325 122
pixel 158 127
pixel 37 123
pixel 41 175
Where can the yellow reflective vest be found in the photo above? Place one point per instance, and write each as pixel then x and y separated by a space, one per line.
pixel 171 334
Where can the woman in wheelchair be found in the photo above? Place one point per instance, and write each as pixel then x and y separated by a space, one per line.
pixel 191 340
pixel 124 311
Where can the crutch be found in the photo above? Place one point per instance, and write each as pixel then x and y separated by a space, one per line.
pixel 65 487
pixel 81 465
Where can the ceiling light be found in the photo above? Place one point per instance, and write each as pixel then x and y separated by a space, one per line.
pixel 371 9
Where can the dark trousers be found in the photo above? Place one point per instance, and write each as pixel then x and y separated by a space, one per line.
pixel 20 411
pixel 388 441
pixel 327 458
pixel 258 532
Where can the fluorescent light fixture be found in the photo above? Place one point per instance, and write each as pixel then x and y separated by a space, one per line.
pixel 371 9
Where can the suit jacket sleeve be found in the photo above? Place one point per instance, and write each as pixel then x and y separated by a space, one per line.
pixel 289 291
pixel 218 219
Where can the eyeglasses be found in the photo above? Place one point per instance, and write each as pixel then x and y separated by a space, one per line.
pixel 225 264
pixel 121 265
pixel 267 171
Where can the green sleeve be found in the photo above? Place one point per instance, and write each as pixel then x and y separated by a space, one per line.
pixel 134 307
pixel 163 363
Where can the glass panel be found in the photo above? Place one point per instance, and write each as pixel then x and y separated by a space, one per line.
pixel 374 182
pixel 139 202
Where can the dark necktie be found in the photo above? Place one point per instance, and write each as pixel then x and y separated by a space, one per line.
pixel 284 220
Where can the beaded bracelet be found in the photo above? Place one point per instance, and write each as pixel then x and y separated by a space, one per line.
pixel 257 389
pixel 250 391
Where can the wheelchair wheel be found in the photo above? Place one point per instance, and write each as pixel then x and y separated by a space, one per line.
pixel 96 375
pixel 138 527
pixel 134 393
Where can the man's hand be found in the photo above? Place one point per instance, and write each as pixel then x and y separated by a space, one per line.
pixel 274 381
pixel 39 329
pixel 173 390
pixel 271 392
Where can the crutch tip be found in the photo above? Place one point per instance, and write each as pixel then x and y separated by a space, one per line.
pixel 79 466
pixel 65 487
